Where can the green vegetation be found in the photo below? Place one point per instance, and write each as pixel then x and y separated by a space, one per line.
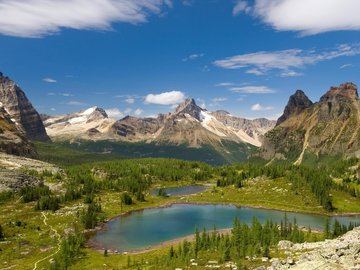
pixel 42 222
pixel 65 153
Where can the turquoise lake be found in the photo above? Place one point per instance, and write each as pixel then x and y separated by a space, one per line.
pixel 143 229
pixel 181 191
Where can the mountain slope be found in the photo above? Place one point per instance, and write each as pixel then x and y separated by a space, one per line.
pixel 330 126
pixel 21 110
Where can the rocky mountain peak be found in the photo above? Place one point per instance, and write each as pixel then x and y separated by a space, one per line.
pixel 190 107
pixel 21 110
pixel 94 113
pixel 346 91
pixel 297 103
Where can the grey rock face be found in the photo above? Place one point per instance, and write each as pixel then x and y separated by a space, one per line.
pixel 12 140
pixel 21 110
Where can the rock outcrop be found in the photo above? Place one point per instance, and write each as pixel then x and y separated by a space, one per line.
pixel 20 109
pixel 340 253
pixel 15 181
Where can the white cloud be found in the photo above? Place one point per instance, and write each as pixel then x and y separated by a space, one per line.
pixel 66 94
pixel 166 98
pixel 219 99
pixel 114 113
pixel 128 111
pixel 252 90
pixel 193 57
pixel 51 94
pixel 75 103
pixel 259 63
pixel 258 107
pixel 130 100
pixel 290 73
pixel 38 18
pixel 346 66
pixel 49 80
pixel 225 84
pixel 241 6
pixel 255 71
pixel 138 112
pixel 53 109
pixel 308 17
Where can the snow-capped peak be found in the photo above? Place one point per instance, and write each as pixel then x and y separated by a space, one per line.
pixel 89 111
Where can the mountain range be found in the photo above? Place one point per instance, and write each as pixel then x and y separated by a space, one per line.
pixel 330 126
pixel 189 124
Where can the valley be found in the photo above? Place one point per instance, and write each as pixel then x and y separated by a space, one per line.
pixel 188 188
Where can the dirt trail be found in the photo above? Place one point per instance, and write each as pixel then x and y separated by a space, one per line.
pixel 57 235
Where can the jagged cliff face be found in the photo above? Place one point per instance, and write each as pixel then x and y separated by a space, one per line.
pixel 12 140
pixel 21 110
pixel 297 103
pixel 188 124
pixel 330 126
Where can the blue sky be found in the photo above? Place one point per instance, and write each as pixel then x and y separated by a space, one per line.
pixel 142 57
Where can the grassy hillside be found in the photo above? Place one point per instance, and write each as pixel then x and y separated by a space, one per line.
pixel 87 151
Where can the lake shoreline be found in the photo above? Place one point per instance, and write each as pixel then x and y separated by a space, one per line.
pixel 94 245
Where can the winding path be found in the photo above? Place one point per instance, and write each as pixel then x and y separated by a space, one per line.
pixel 58 244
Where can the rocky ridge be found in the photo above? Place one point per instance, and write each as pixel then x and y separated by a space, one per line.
pixel 330 126
pixel 340 253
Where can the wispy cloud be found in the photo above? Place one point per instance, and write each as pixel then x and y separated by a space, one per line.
pixel 66 94
pixel 241 6
pixel 192 57
pixel 114 113
pixel 252 90
pixel 224 84
pixel 75 103
pixel 346 66
pixel 130 100
pixel 138 112
pixel 287 61
pixel 45 17
pixel 290 73
pixel 258 107
pixel 166 98
pixel 49 80
pixel 219 99
pixel 308 17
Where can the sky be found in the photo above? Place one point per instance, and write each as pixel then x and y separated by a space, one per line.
pixel 143 57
